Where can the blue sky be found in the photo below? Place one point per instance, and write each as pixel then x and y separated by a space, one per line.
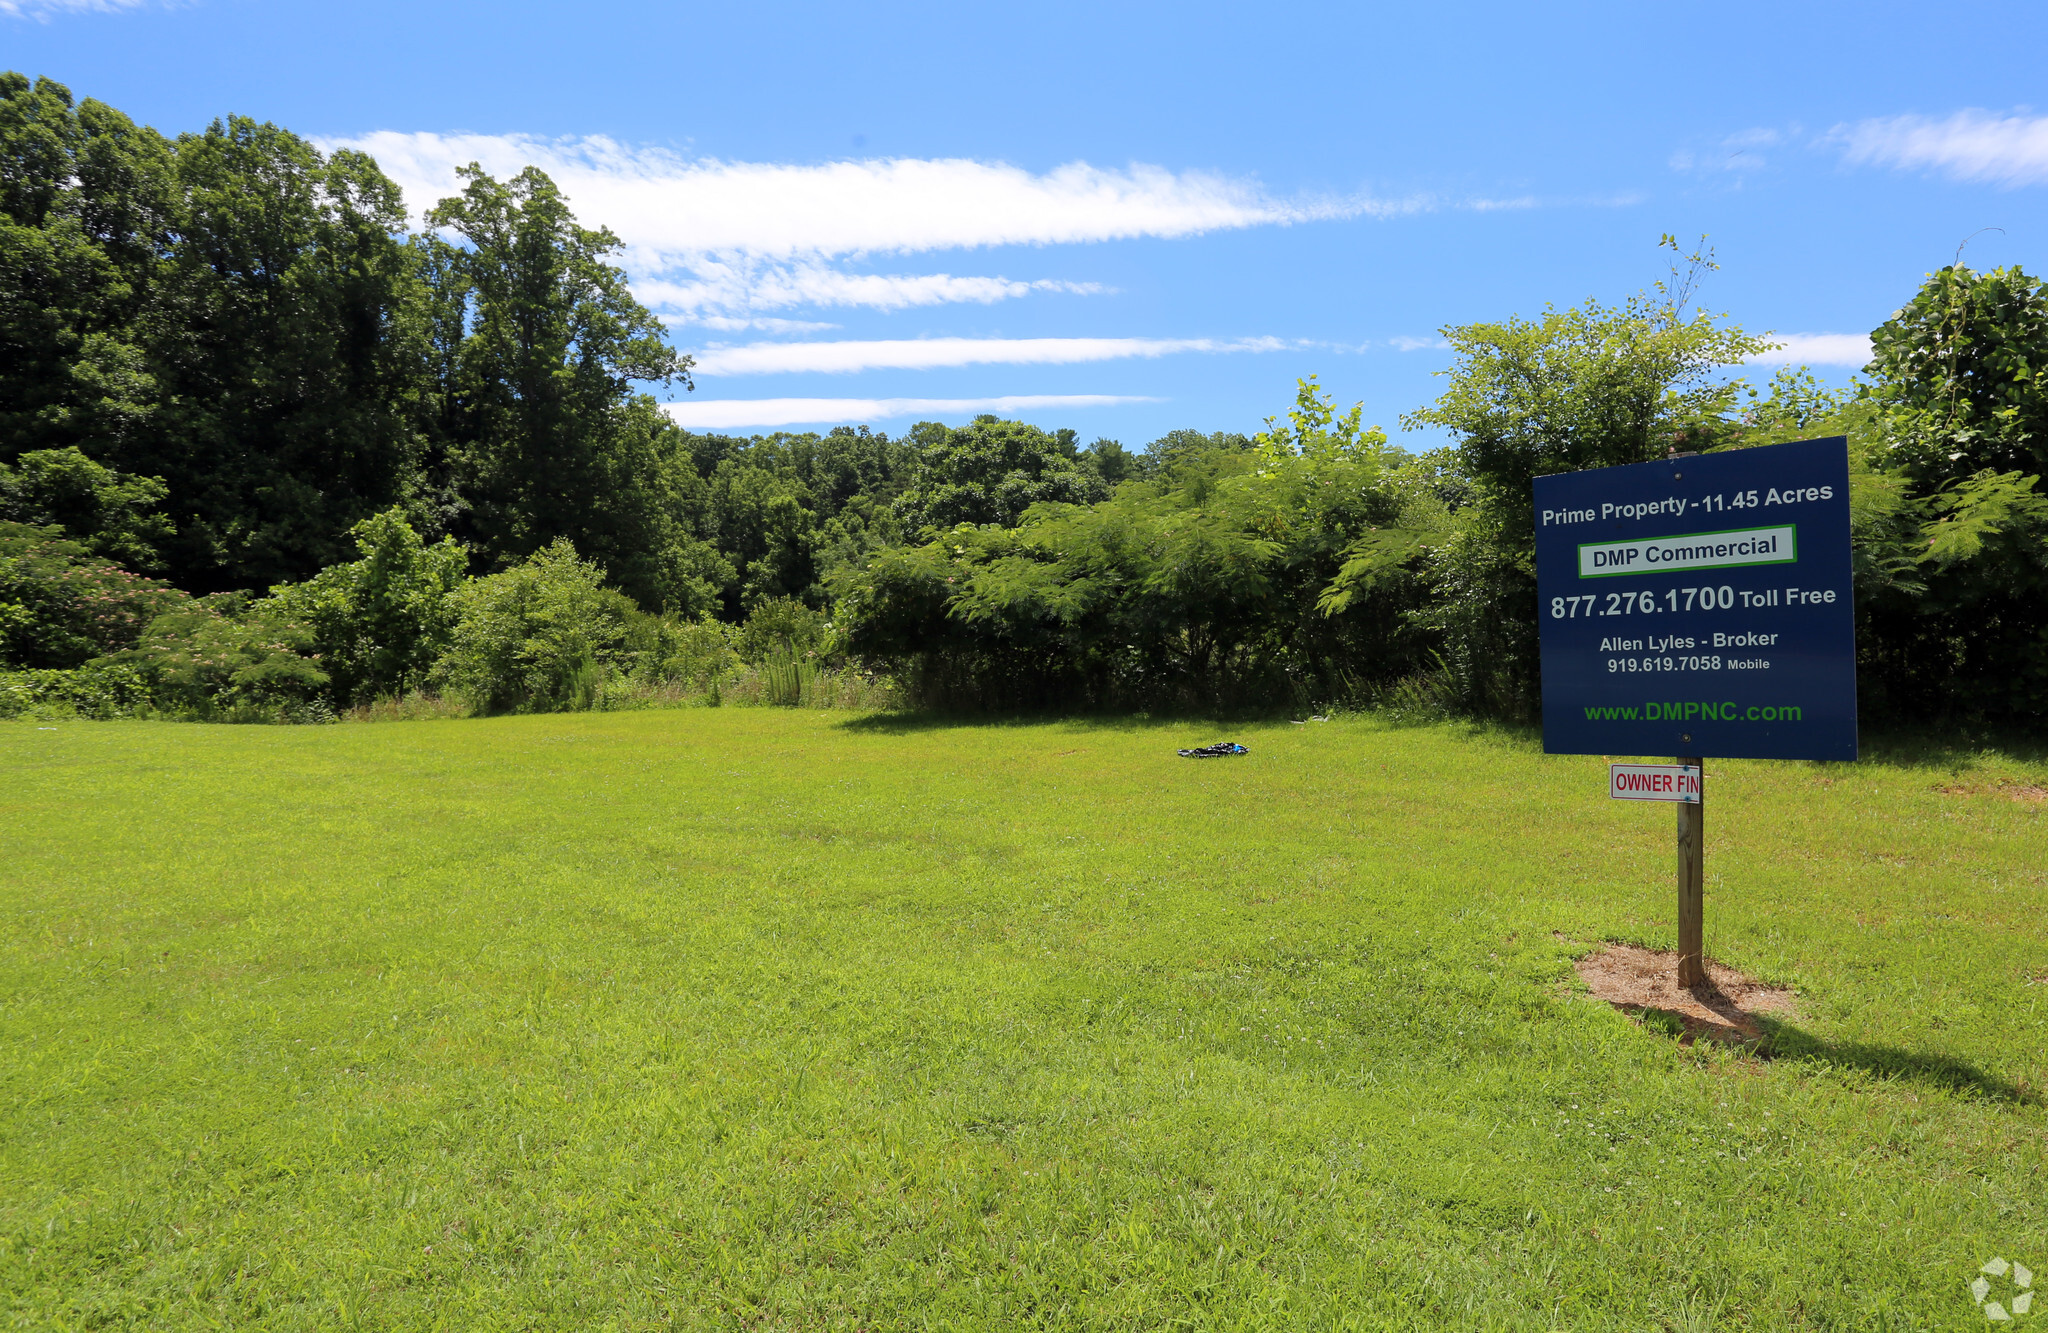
pixel 1131 218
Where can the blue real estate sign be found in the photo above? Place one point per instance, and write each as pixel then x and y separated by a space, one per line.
pixel 1700 606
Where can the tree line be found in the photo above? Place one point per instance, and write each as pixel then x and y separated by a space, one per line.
pixel 265 450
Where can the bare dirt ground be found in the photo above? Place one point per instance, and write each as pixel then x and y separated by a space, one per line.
pixel 2024 793
pixel 1635 980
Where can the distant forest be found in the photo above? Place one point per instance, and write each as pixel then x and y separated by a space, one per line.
pixel 268 452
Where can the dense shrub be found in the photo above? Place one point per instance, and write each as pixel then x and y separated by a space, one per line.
pixel 1207 587
pixel 98 690
pixel 691 653
pixel 61 606
pixel 541 636
pixel 1953 605
pixel 219 658
pixel 379 624
pixel 783 627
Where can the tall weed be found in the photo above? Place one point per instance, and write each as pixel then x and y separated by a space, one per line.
pixel 787 678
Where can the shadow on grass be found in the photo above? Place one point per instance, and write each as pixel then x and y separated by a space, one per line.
pixel 921 720
pixel 1784 1041
pixel 1950 749
pixel 1946 751
pixel 908 722
pixel 911 723
pixel 930 719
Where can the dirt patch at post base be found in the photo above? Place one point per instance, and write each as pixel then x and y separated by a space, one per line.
pixel 2024 793
pixel 1636 980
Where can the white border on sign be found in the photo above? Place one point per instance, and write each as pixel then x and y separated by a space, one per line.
pixel 1654 782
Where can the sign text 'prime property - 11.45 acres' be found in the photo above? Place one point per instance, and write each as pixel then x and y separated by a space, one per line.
pixel 1700 606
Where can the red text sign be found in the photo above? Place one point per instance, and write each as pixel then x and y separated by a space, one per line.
pixel 1653 782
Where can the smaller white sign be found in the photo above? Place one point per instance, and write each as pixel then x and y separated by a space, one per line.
pixel 1653 782
pixel 1702 550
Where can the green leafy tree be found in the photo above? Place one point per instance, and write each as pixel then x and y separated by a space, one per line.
pixel 1166 453
pixel 110 513
pixel 1583 387
pixel 1313 431
pixel 233 314
pixel 991 471
pixel 379 624
pixel 764 528
pixel 785 510
pixel 1954 433
pixel 1112 462
pixel 538 343
pixel 1958 372
pixel 1796 405
pixel 86 213
pixel 842 467
pixel 287 357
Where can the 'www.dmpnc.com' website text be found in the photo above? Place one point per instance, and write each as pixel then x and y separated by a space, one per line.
pixel 1687 712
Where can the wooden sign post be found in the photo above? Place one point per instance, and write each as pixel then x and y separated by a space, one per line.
pixel 1692 883
pixel 1685 785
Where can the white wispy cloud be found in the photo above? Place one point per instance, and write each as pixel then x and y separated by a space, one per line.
pixel 1405 343
pixel 1817 349
pixel 736 238
pixel 1739 153
pixel 776 358
pixel 731 413
pixel 1968 145
pixel 1762 136
pixel 757 324
pixel 1520 202
pixel 739 284
pixel 661 202
pixel 45 9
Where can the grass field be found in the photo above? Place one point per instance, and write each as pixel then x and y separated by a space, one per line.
pixel 767 1019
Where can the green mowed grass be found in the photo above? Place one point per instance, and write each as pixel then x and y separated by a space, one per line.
pixel 787 1020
